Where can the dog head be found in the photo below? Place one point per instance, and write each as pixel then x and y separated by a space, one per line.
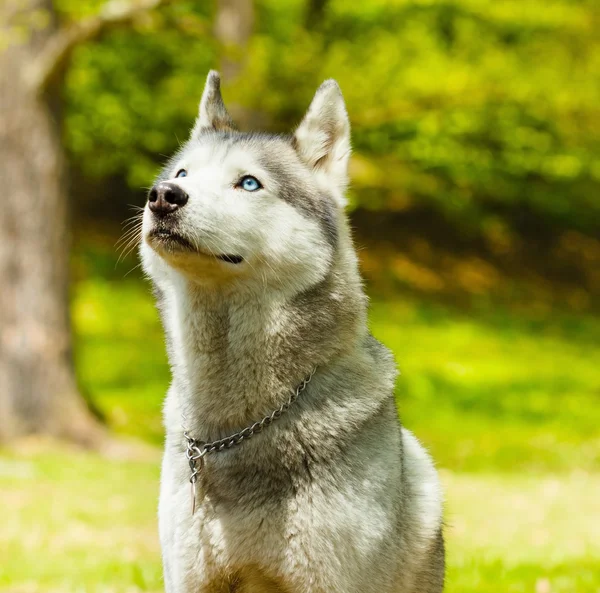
pixel 251 209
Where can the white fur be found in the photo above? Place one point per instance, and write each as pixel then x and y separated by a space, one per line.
pixel 279 245
pixel 421 472
pixel 362 519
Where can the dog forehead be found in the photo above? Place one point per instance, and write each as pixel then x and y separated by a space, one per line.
pixel 226 146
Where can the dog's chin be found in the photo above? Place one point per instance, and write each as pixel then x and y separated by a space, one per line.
pixel 169 244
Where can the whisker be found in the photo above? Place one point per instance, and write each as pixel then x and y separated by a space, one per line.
pixel 132 269
pixel 128 234
pixel 128 224
pixel 126 253
pixel 131 237
pixel 126 247
pixel 135 218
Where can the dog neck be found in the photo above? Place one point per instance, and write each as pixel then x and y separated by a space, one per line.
pixel 236 359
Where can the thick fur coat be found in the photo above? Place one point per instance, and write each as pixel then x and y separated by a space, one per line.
pixel 247 244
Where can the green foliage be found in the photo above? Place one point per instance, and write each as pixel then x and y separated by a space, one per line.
pixel 131 99
pixel 474 107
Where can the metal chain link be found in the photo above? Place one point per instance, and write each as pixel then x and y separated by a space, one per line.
pixel 196 449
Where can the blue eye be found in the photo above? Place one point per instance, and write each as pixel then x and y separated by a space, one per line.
pixel 249 183
pixel 181 173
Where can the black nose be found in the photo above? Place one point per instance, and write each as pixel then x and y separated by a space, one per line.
pixel 165 198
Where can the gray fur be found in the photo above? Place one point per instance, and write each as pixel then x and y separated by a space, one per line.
pixel 334 496
pixel 212 114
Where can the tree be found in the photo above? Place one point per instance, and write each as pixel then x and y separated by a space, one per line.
pixel 234 22
pixel 38 391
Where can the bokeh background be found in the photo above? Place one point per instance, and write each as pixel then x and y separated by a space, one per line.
pixel 475 200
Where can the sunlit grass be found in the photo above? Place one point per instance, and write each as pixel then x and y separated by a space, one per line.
pixel 509 532
pixel 497 392
pixel 75 522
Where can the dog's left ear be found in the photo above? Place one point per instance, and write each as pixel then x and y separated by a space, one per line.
pixel 322 139
pixel 212 114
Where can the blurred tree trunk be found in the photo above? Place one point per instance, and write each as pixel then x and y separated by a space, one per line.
pixel 38 391
pixel 315 13
pixel 234 23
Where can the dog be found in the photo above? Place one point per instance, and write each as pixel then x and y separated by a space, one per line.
pixel 285 466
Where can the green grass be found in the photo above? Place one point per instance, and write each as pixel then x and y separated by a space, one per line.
pixel 493 392
pixel 79 522
pixel 507 404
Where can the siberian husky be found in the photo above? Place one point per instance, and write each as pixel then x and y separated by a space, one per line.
pixel 285 466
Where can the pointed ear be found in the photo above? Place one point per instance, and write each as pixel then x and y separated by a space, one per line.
pixel 212 113
pixel 322 140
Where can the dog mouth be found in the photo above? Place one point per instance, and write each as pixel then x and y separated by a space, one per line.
pixel 231 259
pixel 169 238
pixel 173 241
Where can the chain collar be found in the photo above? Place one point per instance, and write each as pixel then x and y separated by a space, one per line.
pixel 196 449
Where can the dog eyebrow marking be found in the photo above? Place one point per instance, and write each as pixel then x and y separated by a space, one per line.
pixel 313 205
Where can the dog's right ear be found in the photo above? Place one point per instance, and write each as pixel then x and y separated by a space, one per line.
pixel 212 113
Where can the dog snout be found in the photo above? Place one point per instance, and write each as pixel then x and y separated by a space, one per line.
pixel 165 198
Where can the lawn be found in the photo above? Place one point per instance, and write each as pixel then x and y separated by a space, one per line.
pixel 507 404
pixel 75 521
